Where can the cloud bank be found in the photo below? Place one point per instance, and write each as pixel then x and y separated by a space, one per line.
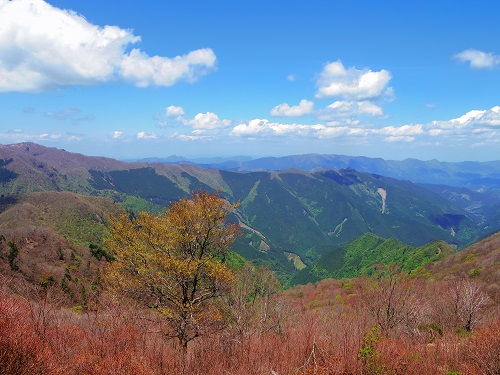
pixel 44 47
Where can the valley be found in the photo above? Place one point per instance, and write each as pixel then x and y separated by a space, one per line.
pixel 305 213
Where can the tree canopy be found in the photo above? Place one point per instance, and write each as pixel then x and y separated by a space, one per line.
pixel 173 262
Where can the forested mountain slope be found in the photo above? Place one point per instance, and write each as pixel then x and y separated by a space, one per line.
pixel 288 217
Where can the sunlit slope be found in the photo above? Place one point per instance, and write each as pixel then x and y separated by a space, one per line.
pixel 367 253
pixel 288 217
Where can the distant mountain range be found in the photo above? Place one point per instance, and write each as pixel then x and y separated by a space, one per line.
pixel 290 218
pixel 174 159
pixel 461 174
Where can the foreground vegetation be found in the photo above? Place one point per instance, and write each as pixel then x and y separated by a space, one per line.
pixel 385 325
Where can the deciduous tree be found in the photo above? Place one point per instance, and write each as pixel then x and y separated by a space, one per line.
pixel 468 301
pixel 173 262
pixel 393 301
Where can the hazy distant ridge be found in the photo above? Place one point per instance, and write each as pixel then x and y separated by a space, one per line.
pixel 467 173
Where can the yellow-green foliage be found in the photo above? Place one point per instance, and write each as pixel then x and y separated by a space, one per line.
pixel 172 262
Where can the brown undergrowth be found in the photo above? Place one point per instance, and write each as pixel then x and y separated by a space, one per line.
pixel 327 328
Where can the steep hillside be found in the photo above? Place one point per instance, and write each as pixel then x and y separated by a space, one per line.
pixel 79 218
pixel 54 238
pixel 363 256
pixel 29 167
pixel 288 217
pixel 480 261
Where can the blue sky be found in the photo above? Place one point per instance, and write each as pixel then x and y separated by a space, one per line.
pixel 125 79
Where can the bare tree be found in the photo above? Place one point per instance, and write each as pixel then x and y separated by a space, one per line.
pixel 393 302
pixel 468 302
pixel 253 300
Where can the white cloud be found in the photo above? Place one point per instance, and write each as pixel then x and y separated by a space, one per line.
pixel 46 136
pixel 144 135
pixel 369 108
pixel 253 127
pixel 337 81
pixel 343 109
pixel 42 47
pixel 435 132
pixel 291 77
pixel 337 131
pixel 474 118
pixel 117 134
pixel 401 131
pixel 334 129
pixel 263 127
pixel 468 118
pixel 478 59
pixel 284 110
pixel 208 121
pixel 184 137
pixel 475 127
pixel 174 111
pixel 144 70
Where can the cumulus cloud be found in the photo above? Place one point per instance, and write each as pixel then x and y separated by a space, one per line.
pixel 405 130
pixel 144 71
pixel 284 110
pixel 174 111
pixel 208 121
pixel 344 109
pixel 405 133
pixel 263 127
pixel 474 118
pixel 352 84
pixel 473 128
pixel 117 134
pixel 478 59
pixel 42 47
